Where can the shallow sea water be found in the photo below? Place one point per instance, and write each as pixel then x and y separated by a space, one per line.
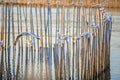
pixel 115 45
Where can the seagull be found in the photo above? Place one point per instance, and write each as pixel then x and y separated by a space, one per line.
pixel 86 34
pixel 104 11
pixel 66 37
pixel 95 25
pixel 107 18
pixel 31 42
pixel 1 42
pixel 79 37
pixel 60 39
pixel 25 34
pixel 34 35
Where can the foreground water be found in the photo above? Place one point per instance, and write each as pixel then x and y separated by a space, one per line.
pixel 115 45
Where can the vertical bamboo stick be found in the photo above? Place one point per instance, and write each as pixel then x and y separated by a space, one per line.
pixel 2 38
pixel 5 38
pixel 73 44
pixel 2 63
pixel 32 28
pixel 9 65
pixel 62 46
pixel 59 43
pixel 18 59
pixel 77 44
pixel 13 38
pixel 21 30
pixel 101 49
pixel 45 38
pixel 41 41
pixel 26 58
pixel 67 48
pixel 49 49
pixel 56 60
pixel 36 11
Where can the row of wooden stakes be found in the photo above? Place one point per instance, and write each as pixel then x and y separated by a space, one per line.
pixel 67 43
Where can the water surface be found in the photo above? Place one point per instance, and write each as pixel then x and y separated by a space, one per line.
pixel 115 45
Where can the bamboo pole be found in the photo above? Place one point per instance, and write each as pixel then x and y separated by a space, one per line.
pixel 59 60
pixel 67 48
pixel 26 64
pixel 13 38
pixel 5 38
pixel 2 63
pixel 59 45
pixel 62 45
pixel 49 49
pixel 21 24
pixel 9 65
pixel 56 60
pixel 37 30
pixel 41 41
pixel 32 63
pixel 26 58
pixel 77 44
pixel 33 46
pixel 73 43
pixel 105 47
pixel 70 44
pixel 32 29
pixel 45 28
pixel 18 59
pixel 79 59
pixel 38 42
pixel 2 38
pixel 57 69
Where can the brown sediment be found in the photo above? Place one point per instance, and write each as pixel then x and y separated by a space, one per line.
pixel 69 3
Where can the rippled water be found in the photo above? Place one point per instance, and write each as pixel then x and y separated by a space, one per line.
pixel 115 45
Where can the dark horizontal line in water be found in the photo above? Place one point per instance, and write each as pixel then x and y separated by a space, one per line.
pixel 118 30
